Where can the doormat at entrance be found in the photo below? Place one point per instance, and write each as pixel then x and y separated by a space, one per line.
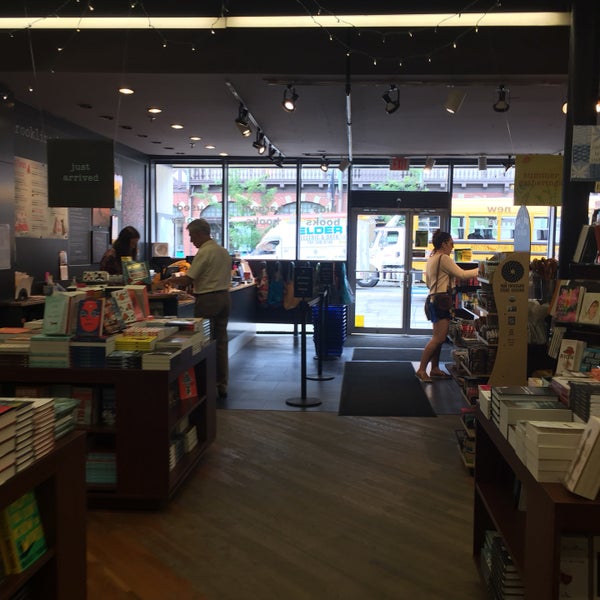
pixel 382 389
pixel 387 354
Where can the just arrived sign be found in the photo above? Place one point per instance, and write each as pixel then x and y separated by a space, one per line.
pixel 80 172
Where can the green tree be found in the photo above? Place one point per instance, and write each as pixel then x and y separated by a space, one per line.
pixel 411 182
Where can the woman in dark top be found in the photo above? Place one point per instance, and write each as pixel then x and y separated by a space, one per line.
pixel 125 245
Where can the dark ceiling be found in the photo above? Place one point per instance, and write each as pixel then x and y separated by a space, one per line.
pixel 337 73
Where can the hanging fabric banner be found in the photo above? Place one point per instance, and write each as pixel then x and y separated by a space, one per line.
pixel 538 180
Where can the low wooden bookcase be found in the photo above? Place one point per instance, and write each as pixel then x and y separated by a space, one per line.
pixel 58 480
pixel 532 536
pixel 144 422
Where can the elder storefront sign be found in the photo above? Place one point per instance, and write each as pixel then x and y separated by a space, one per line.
pixel 81 173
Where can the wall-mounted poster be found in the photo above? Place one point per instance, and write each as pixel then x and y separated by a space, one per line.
pixel 538 180
pixel 585 161
pixel 33 217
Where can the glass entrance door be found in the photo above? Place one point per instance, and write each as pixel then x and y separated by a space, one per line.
pixel 387 262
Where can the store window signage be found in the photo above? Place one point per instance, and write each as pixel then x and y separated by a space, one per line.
pixel 81 173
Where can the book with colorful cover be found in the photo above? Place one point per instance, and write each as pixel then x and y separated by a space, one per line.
pixel 590 359
pixel 187 384
pixel 568 302
pixel 590 309
pixel 141 293
pixel 125 306
pixel 112 322
pixel 22 533
pixel 569 356
pixel 90 318
pixel 136 272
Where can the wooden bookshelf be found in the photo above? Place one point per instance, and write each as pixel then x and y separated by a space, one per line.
pixel 144 423
pixel 532 536
pixel 58 480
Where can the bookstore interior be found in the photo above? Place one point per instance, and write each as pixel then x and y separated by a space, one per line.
pixel 77 342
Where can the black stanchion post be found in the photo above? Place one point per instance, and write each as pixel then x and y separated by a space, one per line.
pixel 321 324
pixel 303 278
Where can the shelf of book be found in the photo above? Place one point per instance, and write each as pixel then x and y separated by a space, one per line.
pixel 532 535
pixel 58 481
pixel 138 445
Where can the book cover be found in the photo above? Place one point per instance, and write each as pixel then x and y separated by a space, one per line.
pixel 512 411
pixel 136 272
pixel 137 307
pixel 568 302
pixel 551 433
pixel 112 322
pixel 187 384
pixel 574 578
pixel 124 305
pixel 583 476
pixel 590 359
pixel 22 532
pixel 590 309
pixel 90 318
pixel 525 392
pixel 56 314
pixel 569 356
pixel 141 293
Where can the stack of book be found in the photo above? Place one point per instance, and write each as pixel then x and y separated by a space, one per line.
pixel 15 343
pixel 24 431
pixel 498 569
pixel 101 468
pixel 124 359
pixel 91 353
pixel 561 384
pixel 190 438
pixel 484 398
pixel 64 416
pixel 51 351
pixel 584 399
pixel 510 404
pixel 164 360
pixel 108 406
pixel 143 343
pixel 23 535
pixel 8 454
pixel 550 447
pixel 43 427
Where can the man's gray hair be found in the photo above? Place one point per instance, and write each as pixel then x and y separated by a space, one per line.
pixel 199 225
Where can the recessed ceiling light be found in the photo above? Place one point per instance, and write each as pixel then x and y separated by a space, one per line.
pixel 107 117
pixel 155 142
pixel 84 105
pixel 195 138
pixel 210 147
pixel 125 91
pixel 223 154
pixel 177 126
pixel 169 148
pixel 142 135
pixel 179 152
pixel 154 110
pixel 126 127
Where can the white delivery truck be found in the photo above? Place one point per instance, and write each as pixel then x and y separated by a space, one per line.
pixel 383 258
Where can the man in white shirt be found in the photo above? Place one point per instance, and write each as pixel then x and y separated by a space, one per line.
pixel 210 276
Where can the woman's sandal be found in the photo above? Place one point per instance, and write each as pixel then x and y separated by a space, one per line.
pixel 441 375
pixel 423 377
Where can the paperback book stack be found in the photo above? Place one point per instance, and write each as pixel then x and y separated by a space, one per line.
pixel 15 343
pixel 101 468
pixel 91 353
pixel 143 343
pixel 65 410
pixel 498 569
pixel 584 399
pixel 124 359
pixel 51 351
pixel 8 454
pixel 43 427
pixel 24 431
pixel 514 403
pixel 164 360
pixel 550 448
pixel 484 397
pixel 23 540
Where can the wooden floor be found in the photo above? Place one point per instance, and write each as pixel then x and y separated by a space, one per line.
pixel 302 505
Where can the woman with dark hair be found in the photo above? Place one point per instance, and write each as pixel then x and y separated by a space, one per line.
pixel 438 272
pixel 126 244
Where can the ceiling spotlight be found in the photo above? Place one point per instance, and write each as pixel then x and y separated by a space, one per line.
pixel 508 163
pixel 242 121
pixel 454 101
pixel 289 98
pixel 7 98
pixel 260 144
pixel 502 103
pixel 324 166
pixel 564 107
pixel 482 163
pixel 125 91
pixel 391 99
pixel 154 110
pixel 272 152
pixel 429 164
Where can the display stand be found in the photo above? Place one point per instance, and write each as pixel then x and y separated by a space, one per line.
pixel 321 345
pixel 303 288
